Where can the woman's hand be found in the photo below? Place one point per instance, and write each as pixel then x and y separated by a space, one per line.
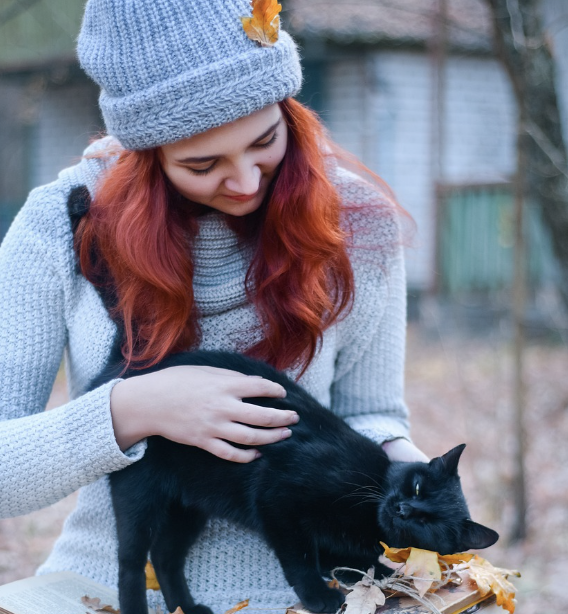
pixel 403 450
pixel 199 406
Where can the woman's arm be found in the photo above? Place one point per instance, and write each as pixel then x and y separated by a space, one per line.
pixel 45 455
pixel 369 385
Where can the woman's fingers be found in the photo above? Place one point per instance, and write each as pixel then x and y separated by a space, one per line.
pixel 255 415
pixel 249 386
pixel 226 451
pixel 248 436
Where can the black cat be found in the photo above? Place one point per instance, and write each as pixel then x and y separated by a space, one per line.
pixel 322 498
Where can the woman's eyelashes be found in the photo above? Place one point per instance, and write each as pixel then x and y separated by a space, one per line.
pixel 260 145
pixel 202 171
pixel 269 142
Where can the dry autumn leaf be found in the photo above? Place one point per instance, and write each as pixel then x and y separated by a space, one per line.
pixel 400 555
pixel 178 611
pixel 456 559
pixel 396 555
pixel 264 25
pixel 365 597
pixel 424 568
pixel 95 604
pixel 239 606
pixel 151 580
pixel 494 579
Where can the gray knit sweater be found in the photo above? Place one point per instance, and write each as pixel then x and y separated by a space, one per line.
pixel 50 312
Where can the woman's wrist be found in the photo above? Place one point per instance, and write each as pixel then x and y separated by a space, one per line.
pixel 129 423
pixel 401 449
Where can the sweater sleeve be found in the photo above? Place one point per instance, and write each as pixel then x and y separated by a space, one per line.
pixel 45 455
pixel 370 382
pixel 369 371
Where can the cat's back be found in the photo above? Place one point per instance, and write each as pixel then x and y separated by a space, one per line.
pixel 318 433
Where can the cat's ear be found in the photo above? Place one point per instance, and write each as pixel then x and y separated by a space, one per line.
pixel 449 461
pixel 477 536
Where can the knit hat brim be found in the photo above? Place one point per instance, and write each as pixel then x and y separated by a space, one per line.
pixel 239 87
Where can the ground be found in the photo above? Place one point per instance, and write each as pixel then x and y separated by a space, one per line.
pixel 459 390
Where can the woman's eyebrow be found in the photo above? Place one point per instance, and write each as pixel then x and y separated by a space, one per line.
pixel 192 160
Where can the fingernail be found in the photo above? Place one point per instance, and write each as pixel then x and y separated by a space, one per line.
pixel 283 392
pixel 285 433
pixel 257 455
pixel 295 418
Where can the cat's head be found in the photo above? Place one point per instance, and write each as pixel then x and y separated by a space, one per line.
pixel 425 508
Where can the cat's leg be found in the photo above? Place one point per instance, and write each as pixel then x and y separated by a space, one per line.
pixel 169 549
pixel 298 556
pixel 134 538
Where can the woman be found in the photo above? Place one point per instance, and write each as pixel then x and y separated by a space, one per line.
pixel 219 217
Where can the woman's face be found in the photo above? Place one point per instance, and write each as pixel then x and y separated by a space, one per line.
pixel 229 168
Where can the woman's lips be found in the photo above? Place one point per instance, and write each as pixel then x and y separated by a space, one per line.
pixel 242 198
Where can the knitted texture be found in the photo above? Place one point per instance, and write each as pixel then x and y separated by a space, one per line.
pixel 49 310
pixel 169 69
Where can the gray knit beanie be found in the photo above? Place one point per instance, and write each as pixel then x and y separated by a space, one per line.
pixel 169 69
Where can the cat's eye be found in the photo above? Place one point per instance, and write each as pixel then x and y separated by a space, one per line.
pixel 417 489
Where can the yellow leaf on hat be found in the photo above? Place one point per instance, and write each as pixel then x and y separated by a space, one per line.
pixel 264 25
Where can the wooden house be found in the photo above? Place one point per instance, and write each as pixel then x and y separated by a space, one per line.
pixel 419 97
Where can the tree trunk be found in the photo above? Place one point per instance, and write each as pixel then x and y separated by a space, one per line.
pixel 521 44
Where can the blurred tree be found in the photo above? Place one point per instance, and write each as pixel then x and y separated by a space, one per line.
pixel 542 177
pixel 522 44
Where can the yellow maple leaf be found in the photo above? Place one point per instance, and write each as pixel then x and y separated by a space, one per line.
pixel 456 559
pixel 494 579
pixel 239 606
pixel 400 555
pixel 264 25
pixel 396 555
pixel 424 568
pixel 151 580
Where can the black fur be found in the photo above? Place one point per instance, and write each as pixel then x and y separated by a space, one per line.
pixel 78 205
pixel 325 497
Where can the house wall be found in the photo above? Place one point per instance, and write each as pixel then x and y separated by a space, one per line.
pixel 67 118
pixel 381 109
pixel 556 23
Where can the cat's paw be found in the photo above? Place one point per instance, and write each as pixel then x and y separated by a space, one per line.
pixel 328 600
pixel 199 609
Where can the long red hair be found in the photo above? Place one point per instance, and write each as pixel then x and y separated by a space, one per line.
pixel 300 278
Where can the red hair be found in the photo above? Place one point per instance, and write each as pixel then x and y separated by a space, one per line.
pixel 300 279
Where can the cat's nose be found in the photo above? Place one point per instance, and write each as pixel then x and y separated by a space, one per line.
pixel 403 510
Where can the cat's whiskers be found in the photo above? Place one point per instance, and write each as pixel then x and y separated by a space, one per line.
pixel 365 494
pixel 368 493
pixel 366 475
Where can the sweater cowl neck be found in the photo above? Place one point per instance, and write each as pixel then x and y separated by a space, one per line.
pixel 221 262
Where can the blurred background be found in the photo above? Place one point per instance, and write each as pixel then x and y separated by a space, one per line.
pixel 462 107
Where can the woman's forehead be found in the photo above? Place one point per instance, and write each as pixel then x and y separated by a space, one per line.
pixel 223 139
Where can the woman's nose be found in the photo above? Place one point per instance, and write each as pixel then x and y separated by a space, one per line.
pixel 244 180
